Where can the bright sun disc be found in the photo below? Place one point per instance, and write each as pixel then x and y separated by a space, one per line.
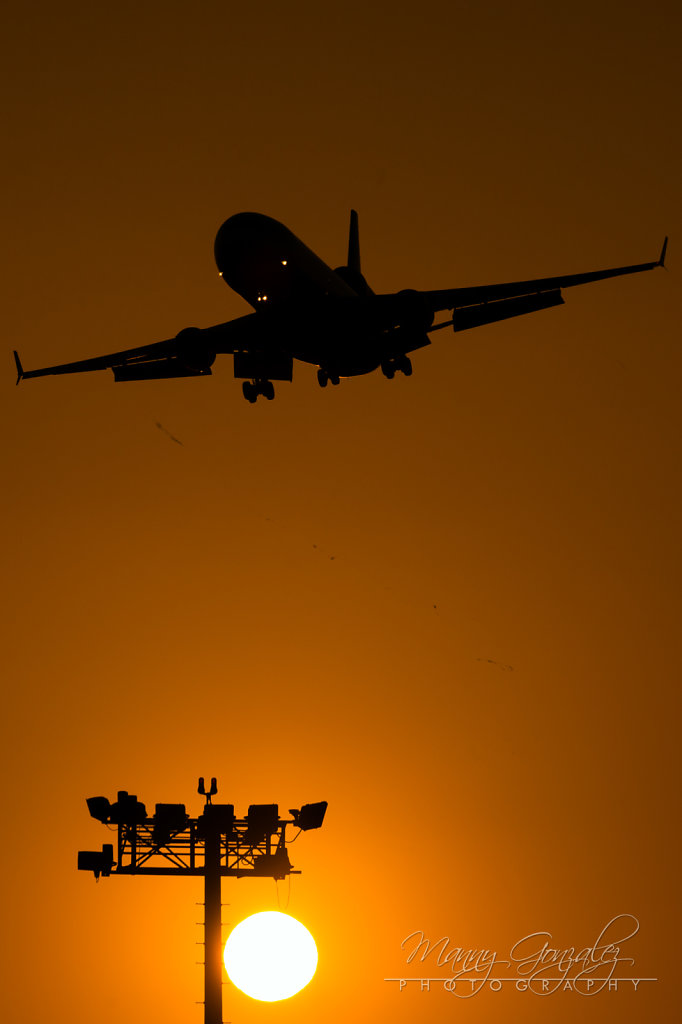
pixel 270 956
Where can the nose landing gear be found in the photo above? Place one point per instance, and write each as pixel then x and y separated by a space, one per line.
pixel 253 388
pixel 323 378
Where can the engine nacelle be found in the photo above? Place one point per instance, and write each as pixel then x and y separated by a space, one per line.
pixel 413 311
pixel 193 351
pixel 407 310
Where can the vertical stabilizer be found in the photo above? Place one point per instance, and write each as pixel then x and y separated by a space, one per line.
pixel 354 243
pixel 352 273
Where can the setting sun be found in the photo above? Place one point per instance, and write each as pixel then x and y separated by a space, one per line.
pixel 270 956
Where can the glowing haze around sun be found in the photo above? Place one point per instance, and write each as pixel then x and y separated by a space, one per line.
pixel 270 956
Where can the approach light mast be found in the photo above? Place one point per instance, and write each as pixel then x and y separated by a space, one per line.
pixel 215 844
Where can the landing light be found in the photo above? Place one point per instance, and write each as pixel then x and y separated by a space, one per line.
pixel 284 263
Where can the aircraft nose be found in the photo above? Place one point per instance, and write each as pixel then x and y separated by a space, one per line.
pixel 240 234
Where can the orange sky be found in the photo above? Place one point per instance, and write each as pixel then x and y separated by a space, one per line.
pixel 448 604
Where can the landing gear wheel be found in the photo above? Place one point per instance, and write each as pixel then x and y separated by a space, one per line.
pixel 390 367
pixel 335 380
pixel 268 389
pixel 249 391
pixel 322 378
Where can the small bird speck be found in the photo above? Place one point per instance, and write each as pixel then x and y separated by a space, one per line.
pixel 502 668
pixel 168 434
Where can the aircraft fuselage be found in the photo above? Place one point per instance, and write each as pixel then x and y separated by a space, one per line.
pixel 307 308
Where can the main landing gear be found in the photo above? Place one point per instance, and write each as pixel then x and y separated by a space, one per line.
pixel 253 388
pixel 389 367
pixel 324 378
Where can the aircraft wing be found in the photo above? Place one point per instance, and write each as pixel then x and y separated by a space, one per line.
pixel 189 354
pixel 487 303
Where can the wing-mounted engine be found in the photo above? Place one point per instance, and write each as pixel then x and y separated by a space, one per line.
pixel 192 357
pixel 412 311
pixel 408 310
pixel 193 350
pixel 402 321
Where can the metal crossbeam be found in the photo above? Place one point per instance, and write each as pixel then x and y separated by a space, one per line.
pixel 136 847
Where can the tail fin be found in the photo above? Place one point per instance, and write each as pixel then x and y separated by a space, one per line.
pixel 354 244
pixel 351 273
pixel 20 369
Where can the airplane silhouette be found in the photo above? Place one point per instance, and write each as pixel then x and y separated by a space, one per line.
pixel 331 318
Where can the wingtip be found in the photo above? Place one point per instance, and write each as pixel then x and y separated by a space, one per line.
pixel 20 369
pixel 661 260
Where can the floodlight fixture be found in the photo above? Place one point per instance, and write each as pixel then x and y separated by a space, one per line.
pixel 127 810
pixel 310 816
pixel 99 808
pixel 169 819
pixel 173 816
pixel 217 818
pixel 263 820
pixel 100 862
pixel 272 865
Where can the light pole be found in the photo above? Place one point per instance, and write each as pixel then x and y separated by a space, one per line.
pixel 215 844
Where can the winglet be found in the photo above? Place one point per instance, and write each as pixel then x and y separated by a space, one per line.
pixel 20 369
pixel 661 260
